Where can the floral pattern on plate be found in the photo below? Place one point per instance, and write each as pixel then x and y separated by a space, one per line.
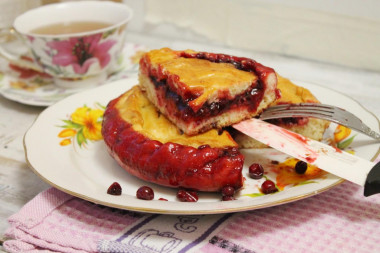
pixel 83 125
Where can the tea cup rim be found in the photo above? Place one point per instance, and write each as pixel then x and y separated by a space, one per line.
pixel 125 20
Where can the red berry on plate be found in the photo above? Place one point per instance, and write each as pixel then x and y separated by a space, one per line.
pixel 114 189
pixel 228 191
pixel 256 171
pixel 145 192
pixel 228 198
pixel 187 195
pixel 268 187
pixel 301 167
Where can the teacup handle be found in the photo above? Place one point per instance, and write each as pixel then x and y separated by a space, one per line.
pixel 14 58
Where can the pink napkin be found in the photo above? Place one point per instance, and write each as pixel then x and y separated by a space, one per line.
pixel 339 220
pixel 57 222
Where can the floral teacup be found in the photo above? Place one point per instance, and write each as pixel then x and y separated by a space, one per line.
pixel 77 58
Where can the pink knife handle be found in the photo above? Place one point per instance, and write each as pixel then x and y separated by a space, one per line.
pixel 372 183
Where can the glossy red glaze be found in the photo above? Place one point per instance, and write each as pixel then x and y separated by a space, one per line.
pixel 170 164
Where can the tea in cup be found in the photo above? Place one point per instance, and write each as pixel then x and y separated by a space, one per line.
pixel 77 43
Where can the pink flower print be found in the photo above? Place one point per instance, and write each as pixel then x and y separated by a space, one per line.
pixel 82 52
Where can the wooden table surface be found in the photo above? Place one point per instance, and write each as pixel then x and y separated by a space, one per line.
pixel 18 184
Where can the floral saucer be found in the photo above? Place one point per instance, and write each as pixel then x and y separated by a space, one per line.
pixel 32 87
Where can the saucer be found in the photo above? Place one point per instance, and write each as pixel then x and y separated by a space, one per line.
pixel 35 88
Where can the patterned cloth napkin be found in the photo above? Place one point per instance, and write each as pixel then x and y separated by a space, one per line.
pixel 339 220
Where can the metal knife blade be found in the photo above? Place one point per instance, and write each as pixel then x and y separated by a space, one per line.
pixel 326 157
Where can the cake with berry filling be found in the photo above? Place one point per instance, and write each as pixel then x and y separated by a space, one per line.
pixel 147 145
pixel 312 128
pixel 198 91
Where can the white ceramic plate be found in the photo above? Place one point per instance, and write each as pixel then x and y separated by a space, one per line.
pixel 87 170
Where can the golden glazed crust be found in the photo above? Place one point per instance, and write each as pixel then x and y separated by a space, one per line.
pixel 293 94
pixel 198 91
pixel 201 77
pixel 136 109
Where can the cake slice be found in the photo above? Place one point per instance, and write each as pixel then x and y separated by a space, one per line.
pixel 312 128
pixel 199 91
pixel 147 145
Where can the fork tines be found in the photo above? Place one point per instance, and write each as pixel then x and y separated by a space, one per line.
pixel 322 111
pixel 298 110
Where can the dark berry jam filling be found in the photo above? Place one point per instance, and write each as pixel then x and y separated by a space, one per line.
pixel 299 121
pixel 291 121
pixel 250 99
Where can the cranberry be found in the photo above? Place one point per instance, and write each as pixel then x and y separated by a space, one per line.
pixel 145 192
pixel 228 191
pixel 187 195
pixel 256 171
pixel 228 198
pixel 268 187
pixel 114 189
pixel 301 167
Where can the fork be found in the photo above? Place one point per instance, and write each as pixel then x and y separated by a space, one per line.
pixel 322 111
